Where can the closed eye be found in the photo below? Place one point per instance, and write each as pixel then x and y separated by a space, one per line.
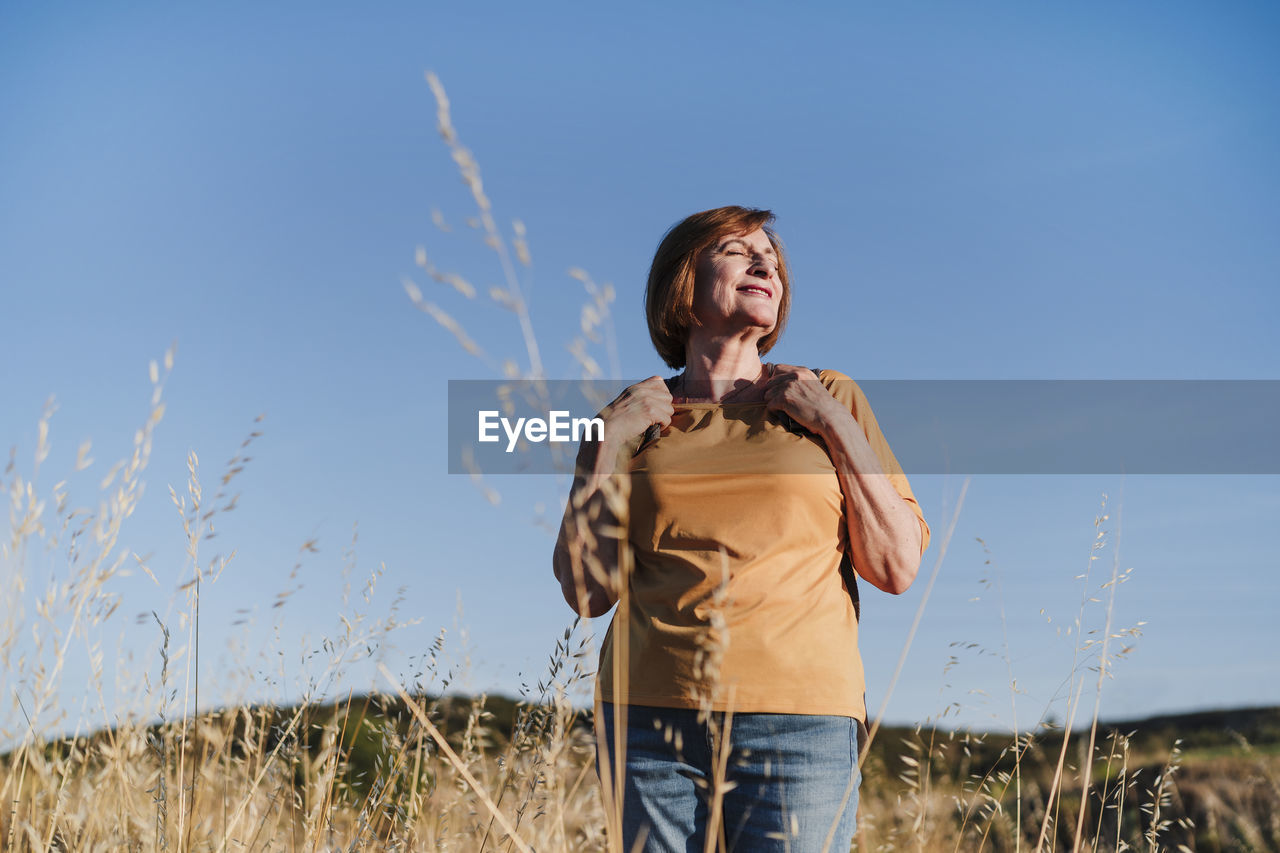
pixel 735 248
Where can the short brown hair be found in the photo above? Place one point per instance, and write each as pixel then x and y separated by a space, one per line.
pixel 668 298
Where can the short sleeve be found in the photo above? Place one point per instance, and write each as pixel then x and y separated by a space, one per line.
pixel 850 395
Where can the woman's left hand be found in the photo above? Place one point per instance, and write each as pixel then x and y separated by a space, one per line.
pixel 799 393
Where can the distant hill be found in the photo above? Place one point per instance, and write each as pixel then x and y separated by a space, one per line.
pixel 1218 770
pixel 1227 731
pixel 1207 730
pixel 1217 731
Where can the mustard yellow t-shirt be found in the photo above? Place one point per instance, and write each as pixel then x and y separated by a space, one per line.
pixel 737 600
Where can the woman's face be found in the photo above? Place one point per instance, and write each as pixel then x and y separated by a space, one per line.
pixel 737 286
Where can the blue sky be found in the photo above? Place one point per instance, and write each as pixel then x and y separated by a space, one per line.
pixel 978 192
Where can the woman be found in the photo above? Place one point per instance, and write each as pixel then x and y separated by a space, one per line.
pixel 725 512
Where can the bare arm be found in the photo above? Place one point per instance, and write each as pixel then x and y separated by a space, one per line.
pixel 884 532
pixel 586 557
pixel 589 549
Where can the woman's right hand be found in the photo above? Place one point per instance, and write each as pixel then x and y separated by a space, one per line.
pixel 637 408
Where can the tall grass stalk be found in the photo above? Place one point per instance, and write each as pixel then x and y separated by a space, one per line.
pixel 414 767
pixel 902 658
pixel 1086 772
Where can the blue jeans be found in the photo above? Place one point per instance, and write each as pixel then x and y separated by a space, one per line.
pixel 787 777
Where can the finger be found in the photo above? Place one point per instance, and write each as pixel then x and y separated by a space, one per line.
pixel 641 387
pixel 777 378
pixel 654 386
pixel 775 397
pixel 780 383
pixel 652 397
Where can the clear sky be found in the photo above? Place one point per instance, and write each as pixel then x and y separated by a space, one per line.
pixel 986 191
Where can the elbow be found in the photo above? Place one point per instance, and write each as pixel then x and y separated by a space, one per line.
pixel 902 565
pixel 564 576
pixel 586 603
pixel 898 584
pixel 596 606
pixel 585 598
pixel 891 570
pixel 560 563
pixel 898 574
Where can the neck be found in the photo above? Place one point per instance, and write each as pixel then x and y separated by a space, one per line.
pixel 716 369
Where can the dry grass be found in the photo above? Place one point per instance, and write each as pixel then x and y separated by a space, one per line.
pixel 410 770
pixel 316 778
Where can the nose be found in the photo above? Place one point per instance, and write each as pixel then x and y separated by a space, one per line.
pixel 762 266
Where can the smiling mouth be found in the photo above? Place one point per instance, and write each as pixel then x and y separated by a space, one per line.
pixel 756 289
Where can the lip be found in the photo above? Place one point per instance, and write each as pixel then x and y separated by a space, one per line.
pixel 747 288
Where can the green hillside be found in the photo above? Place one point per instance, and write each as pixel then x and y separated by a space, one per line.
pixel 1208 780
